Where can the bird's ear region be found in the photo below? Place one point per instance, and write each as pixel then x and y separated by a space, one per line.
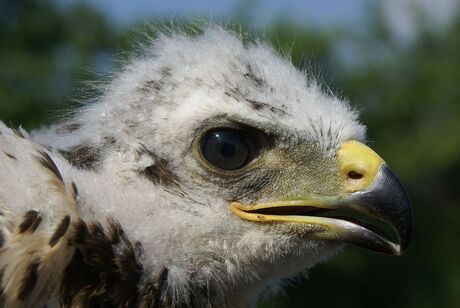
pixel 369 194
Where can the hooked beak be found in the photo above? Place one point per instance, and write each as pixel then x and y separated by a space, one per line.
pixel 370 189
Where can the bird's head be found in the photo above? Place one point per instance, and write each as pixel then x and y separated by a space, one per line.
pixel 221 157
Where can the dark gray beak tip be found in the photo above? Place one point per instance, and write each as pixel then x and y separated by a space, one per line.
pixel 398 206
pixel 387 200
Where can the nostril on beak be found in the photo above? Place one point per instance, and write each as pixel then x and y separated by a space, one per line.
pixel 358 166
pixel 353 175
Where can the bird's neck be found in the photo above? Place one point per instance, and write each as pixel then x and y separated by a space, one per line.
pixel 107 270
pixel 147 257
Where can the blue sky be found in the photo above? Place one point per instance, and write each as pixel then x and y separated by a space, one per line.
pixel 401 16
pixel 315 13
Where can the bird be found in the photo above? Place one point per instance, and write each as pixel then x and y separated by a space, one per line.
pixel 207 170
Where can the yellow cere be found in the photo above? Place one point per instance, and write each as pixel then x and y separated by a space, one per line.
pixel 358 165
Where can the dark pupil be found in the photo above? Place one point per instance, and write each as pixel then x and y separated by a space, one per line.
pixel 226 149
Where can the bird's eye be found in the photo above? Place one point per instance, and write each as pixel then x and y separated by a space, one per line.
pixel 229 149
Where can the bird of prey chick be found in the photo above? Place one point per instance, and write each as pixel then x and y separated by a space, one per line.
pixel 207 171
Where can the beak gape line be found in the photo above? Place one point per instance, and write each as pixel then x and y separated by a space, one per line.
pixel 382 197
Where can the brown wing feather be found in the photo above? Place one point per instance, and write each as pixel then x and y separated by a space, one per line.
pixel 37 216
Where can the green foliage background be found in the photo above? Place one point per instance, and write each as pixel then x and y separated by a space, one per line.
pixel 409 97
